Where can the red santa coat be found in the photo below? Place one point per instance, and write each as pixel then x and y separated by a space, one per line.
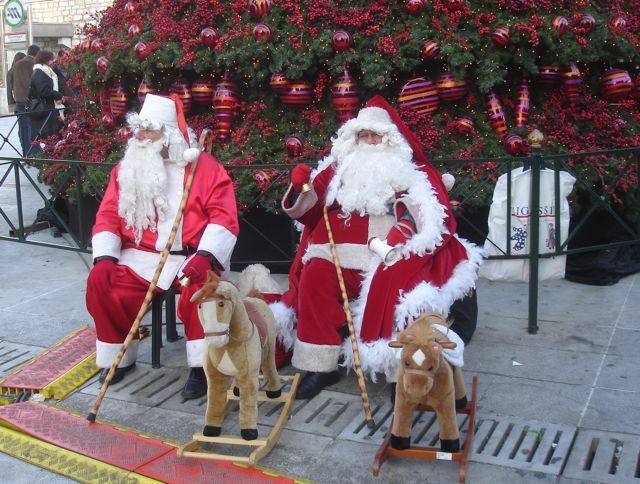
pixel 210 222
pixel 437 268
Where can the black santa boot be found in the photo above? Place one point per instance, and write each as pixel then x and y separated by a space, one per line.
pixel 313 382
pixel 196 385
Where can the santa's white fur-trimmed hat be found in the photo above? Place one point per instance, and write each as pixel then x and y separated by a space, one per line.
pixel 164 112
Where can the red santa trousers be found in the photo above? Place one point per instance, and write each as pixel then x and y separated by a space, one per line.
pixel 321 314
pixel 115 308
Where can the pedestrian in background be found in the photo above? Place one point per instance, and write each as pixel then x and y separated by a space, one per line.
pixel 19 81
pixel 45 85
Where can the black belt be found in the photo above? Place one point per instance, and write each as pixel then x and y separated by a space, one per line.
pixel 186 251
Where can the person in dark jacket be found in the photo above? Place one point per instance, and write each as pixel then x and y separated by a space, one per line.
pixel 18 80
pixel 45 86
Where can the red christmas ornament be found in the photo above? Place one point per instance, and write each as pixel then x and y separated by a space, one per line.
pixel 118 101
pixel 501 36
pixel 341 40
pixel 259 8
pixel 344 97
pixel 561 24
pixel 85 45
pixel 264 178
pixel 130 7
pixel 496 115
pixel 571 80
pixel 279 82
pixel 429 49
pixel 102 64
pixel 523 104
pixel 464 125
pixel 514 145
pixel 97 45
pixel 294 146
pixel 616 84
pixel 262 31
pixel 450 88
pixel 225 104
pixel 108 121
pixel 145 88
pixel 208 36
pixel 299 94
pixel 123 134
pixel 617 22
pixel 133 31
pixel 419 95
pixel 141 50
pixel 586 23
pixel 414 7
pixel 202 91
pixel 454 5
pixel 549 76
pixel 182 89
pixel 105 101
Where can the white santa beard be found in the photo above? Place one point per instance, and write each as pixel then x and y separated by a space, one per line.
pixel 142 179
pixel 367 178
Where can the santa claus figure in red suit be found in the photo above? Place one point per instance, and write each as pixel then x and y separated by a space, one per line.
pixel 378 187
pixel 133 225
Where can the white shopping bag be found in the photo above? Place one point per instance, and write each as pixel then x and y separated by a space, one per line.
pixel 519 239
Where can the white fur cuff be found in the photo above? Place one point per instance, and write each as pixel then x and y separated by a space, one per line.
pixel 311 357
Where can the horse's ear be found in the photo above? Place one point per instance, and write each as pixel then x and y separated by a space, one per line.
pixel 448 345
pixel 196 295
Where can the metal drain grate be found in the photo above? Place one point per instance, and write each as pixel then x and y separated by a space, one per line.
pixel 530 445
pixel 425 430
pixel 604 457
pixel 13 355
pixel 150 387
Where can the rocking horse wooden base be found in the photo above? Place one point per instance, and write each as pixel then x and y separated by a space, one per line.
pixel 434 453
pixel 263 446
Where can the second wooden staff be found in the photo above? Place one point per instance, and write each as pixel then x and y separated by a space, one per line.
pixel 352 331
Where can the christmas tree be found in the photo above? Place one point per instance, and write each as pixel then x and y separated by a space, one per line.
pixel 274 79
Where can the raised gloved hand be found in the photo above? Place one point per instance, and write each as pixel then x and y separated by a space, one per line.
pixel 299 176
pixel 102 269
pixel 196 269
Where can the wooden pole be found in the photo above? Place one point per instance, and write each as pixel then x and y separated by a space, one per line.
pixel 352 331
pixel 152 286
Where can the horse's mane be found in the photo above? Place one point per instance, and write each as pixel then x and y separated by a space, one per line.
pixel 209 288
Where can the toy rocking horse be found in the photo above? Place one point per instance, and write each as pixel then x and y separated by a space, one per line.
pixel 430 379
pixel 240 335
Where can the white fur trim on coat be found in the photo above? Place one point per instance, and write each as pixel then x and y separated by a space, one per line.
pixel 286 321
pixel 377 357
pixel 106 243
pixel 195 352
pixel 303 203
pixel 219 241
pixel 106 353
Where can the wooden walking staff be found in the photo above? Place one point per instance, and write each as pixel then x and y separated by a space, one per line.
pixel 352 331
pixel 152 286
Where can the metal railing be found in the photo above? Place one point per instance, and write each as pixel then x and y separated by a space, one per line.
pixel 624 161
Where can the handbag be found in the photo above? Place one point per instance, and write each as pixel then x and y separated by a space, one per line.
pixel 37 108
pixel 519 238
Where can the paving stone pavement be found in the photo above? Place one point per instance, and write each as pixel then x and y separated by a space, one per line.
pixel 560 406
